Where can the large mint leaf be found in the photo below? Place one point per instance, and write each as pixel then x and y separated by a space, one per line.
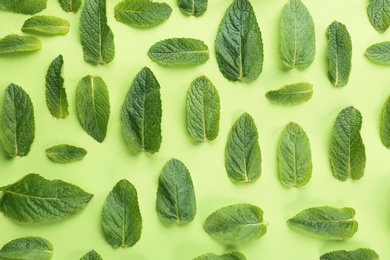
pixel 326 223
pixel 70 5
pixel 91 255
pixel 17 121
pixel 34 199
pixel 203 110
pixel 379 53
pixel 347 151
pixel 142 112
pixel 379 14
pixel 297 36
pixel 121 217
pixel 357 254
pixel 27 248
pixel 93 106
pixel 24 6
pixel 292 94
pixel 45 24
pixel 14 43
pixel 193 7
pixel 239 46
pixel 385 124
pixel 65 153
pixel 242 151
pixel 97 38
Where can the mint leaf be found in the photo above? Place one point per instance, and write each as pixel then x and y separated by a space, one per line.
pixel 142 13
pixel 339 54
pixel 179 51
pixel 242 151
pixel 14 43
pixel 227 256
pixel 347 151
pixel 238 46
pixel 121 218
pixel 93 106
pixel 203 110
pixel 91 255
pixel 326 223
pixel 65 153
pixel 142 112
pixel 34 199
pixel 24 6
pixel 292 94
pixel 193 7
pixel 379 14
pixel 379 53
pixel 297 45
pixel 70 5
pixel 44 24
pixel 55 92
pixel 208 256
pixel 17 123
pixel 358 254
pixel 294 157
pixel 97 38
pixel 176 201
pixel 236 224
pixel 27 248
pixel 385 124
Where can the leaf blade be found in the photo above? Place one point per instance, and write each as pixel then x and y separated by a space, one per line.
pixel 14 43
pixel 70 5
pixel 385 124
pixel 292 94
pixel 24 6
pixel 357 254
pixel 193 7
pixel 379 53
pixel 91 255
pixel 64 153
pixel 45 24
pixel 379 14
pixel 27 248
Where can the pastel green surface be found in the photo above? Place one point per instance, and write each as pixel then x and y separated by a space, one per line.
pixel 112 160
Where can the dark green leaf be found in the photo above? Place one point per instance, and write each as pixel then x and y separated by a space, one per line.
pixel 27 248
pixel 292 94
pixel 24 6
pixel 358 254
pixel 70 5
pixel 385 124
pixel 91 255
pixel 193 7
pixel 379 14
pixel 64 153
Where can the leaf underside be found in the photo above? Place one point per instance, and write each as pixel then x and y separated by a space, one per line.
pixel 379 53
pixel 292 94
pixel 379 14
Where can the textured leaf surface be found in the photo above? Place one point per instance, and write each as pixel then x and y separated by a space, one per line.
pixel 179 51
pixel 339 54
pixel 65 153
pixel 176 201
pixel 203 110
pixel 297 36
pixel 385 124
pixel 91 255
pixel 27 248
pixel 70 5
pixel 294 157
pixel 239 46
pixel 379 14
pixel 347 151
pixel 193 7
pixel 97 38
pixel 236 224
pixel 14 43
pixel 142 13
pixel 56 99
pixel 326 223
pixel 292 94
pixel 121 217
pixel 34 199
pixel 358 254
pixel 17 121
pixel 227 256
pixel 142 112
pixel 93 106
pixel 242 151
pixel 45 24
pixel 379 53
pixel 24 6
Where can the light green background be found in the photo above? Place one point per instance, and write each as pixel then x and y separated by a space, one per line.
pixel 112 160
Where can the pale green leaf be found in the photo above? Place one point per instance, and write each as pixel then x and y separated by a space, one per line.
pixel 326 223
pixel 142 112
pixel 379 14
pixel 70 5
pixel 203 110
pixel 121 217
pixel 208 256
pixel 227 256
pixel 34 199
pixel 347 151
pixel 242 151
pixel 357 254
pixel 292 94
pixel 379 53
pixel 193 7
pixel 44 24
pixel 91 255
pixel 385 124
pixel 239 46
pixel 14 43
pixel 24 6
pixel 27 248
pixel 17 121
pixel 65 153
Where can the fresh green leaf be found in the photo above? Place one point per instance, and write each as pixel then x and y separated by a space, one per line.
pixel 339 54
pixel 142 13
pixel 14 43
pixel 55 92
pixel 45 24
pixel 179 51
pixel 97 38
pixel 17 121
pixel 239 46
pixel 358 254
pixel 193 7
pixel 292 94
pixel 142 112
pixel 208 256
pixel 294 157
pixel 379 53
pixel 91 255
pixel 242 152
pixel 326 223
pixel 347 151
pixel 70 5
pixel 65 153
pixel 121 217
pixel 379 14
pixel 297 45
pixel 176 201
pixel 93 106
pixel 24 6
pixel 236 224
pixel 203 109
pixel 34 199
pixel 385 124
pixel 27 248
pixel 227 256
